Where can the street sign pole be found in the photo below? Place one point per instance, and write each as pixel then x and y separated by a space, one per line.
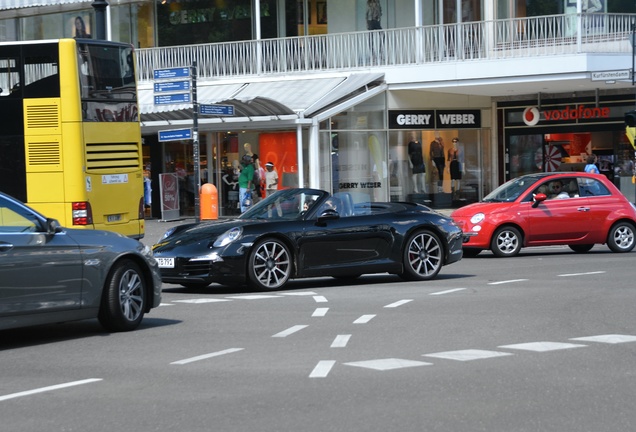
pixel 195 144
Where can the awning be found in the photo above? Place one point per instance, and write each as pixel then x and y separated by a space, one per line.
pixel 20 8
pixel 273 102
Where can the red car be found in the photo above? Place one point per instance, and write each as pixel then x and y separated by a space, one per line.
pixel 565 208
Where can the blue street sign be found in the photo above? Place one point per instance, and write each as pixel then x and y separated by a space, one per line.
pixel 180 72
pixel 172 98
pixel 175 135
pixel 227 110
pixel 171 86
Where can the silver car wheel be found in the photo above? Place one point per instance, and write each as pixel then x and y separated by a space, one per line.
pixel 423 256
pixel 131 295
pixel 506 242
pixel 270 265
pixel 621 237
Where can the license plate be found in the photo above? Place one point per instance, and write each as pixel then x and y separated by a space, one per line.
pixel 113 218
pixel 165 262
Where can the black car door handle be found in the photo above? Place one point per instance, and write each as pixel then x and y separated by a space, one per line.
pixel 583 209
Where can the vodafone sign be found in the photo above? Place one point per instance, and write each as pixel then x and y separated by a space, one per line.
pixel 532 115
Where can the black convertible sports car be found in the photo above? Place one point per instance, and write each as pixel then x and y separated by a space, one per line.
pixel 298 233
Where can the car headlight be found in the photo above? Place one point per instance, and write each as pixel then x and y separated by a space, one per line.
pixel 167 234
pixel 228 237
pixel 479 217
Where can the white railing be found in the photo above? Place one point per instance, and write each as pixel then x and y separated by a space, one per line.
pixel 500 39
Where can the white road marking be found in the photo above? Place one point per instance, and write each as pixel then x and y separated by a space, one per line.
pixel 609 338
pixel 49 388
pixel 398 303
pixel 254 297
pixel 341 341
pixel 320 312
pixel 304 293
pixel 207 356
pixel 467 355
pixel 507 281
pixel 388 364
pixel 581 274
pixel 289 331
pixel 542 346
pixel 322 369
pixel 201 300
pixel 165 304
pixel 447 291
pixel 364 319
pixel 320 299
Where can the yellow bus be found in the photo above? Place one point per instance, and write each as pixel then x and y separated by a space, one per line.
pixel 70 138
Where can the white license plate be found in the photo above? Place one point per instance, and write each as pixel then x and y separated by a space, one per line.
pixel 113 218
pixel 165 262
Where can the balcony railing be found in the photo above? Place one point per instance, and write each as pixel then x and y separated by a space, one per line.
pixel 485 40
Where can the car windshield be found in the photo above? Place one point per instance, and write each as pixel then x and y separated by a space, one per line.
pixel 510 190
pixel 289 204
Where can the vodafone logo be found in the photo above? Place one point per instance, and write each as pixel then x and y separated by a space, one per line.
pixel 531 116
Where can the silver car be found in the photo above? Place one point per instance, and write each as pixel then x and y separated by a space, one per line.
pixel 51 274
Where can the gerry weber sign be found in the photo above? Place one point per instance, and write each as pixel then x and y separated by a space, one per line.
pixel 434 119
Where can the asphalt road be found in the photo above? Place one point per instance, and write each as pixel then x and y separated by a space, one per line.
pixel 542 342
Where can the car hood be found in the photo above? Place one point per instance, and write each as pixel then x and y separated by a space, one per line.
pixel 203 233
pixel 481 207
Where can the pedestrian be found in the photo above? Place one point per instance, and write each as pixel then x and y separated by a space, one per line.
pixel 271 179
pixel 591 165
pixel 245 181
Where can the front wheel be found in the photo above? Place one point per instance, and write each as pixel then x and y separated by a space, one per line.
pixel 506 242
pixel 621 237
pixel 423 256
pixel 124 298
pixel 270 265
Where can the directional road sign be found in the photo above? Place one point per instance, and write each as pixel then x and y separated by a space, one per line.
pixel 172 98
pixel 180 72
pixel 227 110
pixel 171 86
pixel 175 135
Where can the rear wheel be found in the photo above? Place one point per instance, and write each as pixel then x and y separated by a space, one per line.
pixel 621 237
pixel 581 248
pixel 124 298
pixel 270 265
pixel 423 256
pixel 506 242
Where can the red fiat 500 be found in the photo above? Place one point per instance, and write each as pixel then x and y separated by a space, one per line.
pixel 567 208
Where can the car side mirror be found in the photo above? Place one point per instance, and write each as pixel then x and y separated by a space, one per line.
pixel 328 214
pixel 538 198
pixel 53 226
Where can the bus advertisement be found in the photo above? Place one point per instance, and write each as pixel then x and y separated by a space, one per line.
pixel 70 145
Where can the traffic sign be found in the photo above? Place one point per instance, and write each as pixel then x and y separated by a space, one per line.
pixel 227 110
pixel 175 135
pixel 172 98
pixel 612 75
pixel 170 86
pixel 180 72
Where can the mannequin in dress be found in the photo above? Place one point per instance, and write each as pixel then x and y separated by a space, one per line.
pixel 437 156
pixel 455 158
pixel 418 167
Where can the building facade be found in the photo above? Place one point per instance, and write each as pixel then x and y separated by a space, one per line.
pixel 431 101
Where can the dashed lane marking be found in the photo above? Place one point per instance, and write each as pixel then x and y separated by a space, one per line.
pixel 49 388
pixel 289 331
pixel 609 338
pixel 320 299
pixel 388 364
pixel 320 312
pixel 581 274
pixel 447 291
pixel 542 346
pixel 322 369
pixel 254 297
pixel 398 303
pixel 507 281
pixel 364 319
pixel 468 354
pixel 201 301
pixel 341 341
pixel 206 356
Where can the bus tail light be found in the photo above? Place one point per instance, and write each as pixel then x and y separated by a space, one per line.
pixel 142 209
pixel 82 213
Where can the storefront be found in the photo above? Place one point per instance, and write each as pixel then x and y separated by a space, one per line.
pixel 559 134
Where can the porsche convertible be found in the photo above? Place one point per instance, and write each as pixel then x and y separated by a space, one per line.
pixel 300 233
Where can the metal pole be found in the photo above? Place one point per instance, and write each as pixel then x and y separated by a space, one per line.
pixel 100 18
pixel 195 144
